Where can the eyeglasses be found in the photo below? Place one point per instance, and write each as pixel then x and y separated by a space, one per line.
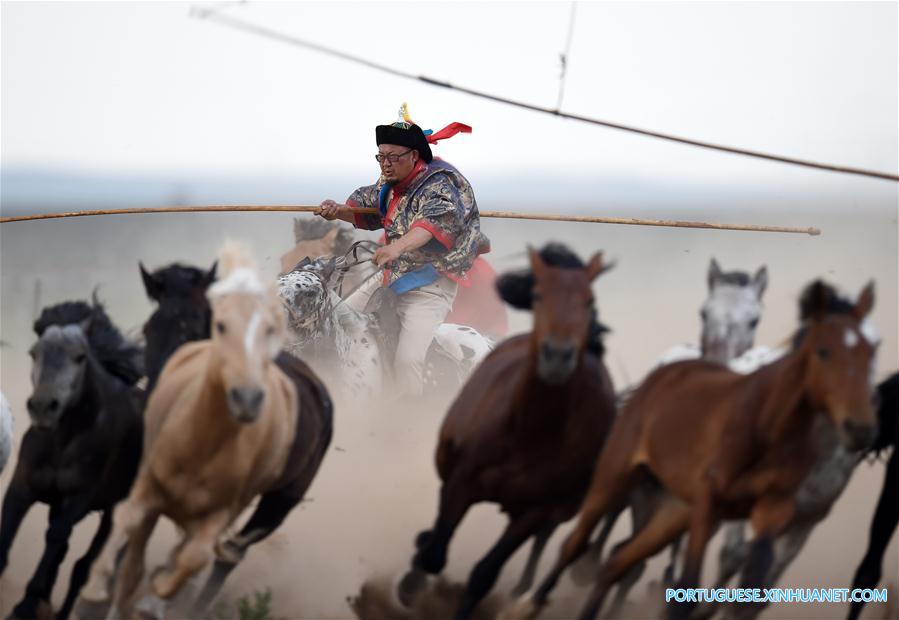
pixel 391 157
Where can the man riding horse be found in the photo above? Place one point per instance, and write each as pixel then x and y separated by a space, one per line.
pixel 433 236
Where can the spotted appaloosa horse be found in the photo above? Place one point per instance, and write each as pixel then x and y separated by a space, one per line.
pixel 352 348
pixel 524 431
pixel 229 420
pixel 886 516
pixel 82 450
pixel 743 453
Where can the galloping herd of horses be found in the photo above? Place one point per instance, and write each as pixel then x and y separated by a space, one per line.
pixel 222 405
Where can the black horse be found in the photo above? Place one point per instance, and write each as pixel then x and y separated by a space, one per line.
pixel 183 314
pixel 886 517
pixel 82 450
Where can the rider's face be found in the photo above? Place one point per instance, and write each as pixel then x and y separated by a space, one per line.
pixel 398 170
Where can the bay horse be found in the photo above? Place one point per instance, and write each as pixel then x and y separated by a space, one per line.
pixel 524 431
pixel 82 449
pixel 726 446
pixel 232 417
pixel 730 316
pixel 886 516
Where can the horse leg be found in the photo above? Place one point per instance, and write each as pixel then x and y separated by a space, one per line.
pixel 63 518
pixel 608 490
pixel 644 502
pixel 583 571
pixel 785 549
pixel 667 522
pixel 431 545
pixel 192 557
pixel 137 523
pixel 702 525
pixel 486 572
pixel 99 580
pixel 273 508
pixel 82 566
pixel 770 516
pixel 16 504
pixel 886 518
pixel 530 569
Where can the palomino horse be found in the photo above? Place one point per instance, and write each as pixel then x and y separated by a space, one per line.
pixel 742 453
pixel 525 431
pixel 886 516
pixel 83 447
pixel 352 347
pixel 222 428
pixel 730 316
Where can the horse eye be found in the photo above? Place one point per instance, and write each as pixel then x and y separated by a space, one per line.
pixel 270 331
pixel 79 358
pixel 220 327
pixel 753 323
pixel 823 354
pixel 704 315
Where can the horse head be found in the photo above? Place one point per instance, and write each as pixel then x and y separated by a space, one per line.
pixel 73 338
pixel 563 307
pixel 182 313
pixel 248 331
pixel 731 313
pixel 839 357
pixel 306 294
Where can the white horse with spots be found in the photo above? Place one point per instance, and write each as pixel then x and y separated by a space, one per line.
pixel 7 435
pixel 348 347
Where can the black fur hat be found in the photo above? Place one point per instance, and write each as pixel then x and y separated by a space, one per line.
pixel 405 134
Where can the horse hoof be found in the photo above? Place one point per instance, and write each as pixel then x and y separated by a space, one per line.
pixel 410 585
pixel 86 609
pixel 522 609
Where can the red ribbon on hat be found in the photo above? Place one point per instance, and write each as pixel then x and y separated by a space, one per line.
pixel 447 132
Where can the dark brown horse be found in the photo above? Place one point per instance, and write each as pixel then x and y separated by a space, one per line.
pixel 886 516
pixel 525 431
pixel 726 446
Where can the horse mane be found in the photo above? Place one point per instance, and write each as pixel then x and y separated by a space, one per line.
pixel 516 287
pixel 734 278
pixel 887 416
pixel 239 273
pixel 116 354
pixel 819 299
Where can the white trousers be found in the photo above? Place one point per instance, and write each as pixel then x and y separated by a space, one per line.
pixel 421 312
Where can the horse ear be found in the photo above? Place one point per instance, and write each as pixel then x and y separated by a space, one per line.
pixel 537 264
pixel 865 302
pixel 714 273
pixel 595 266
pixel 760 281
pixel 329 268
pixel 815 302
pixel 152 284
pixel 209 276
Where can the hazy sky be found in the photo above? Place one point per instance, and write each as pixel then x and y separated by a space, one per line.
pixel 143 87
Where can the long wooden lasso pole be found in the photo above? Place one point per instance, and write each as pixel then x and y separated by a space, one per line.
pixel 551 217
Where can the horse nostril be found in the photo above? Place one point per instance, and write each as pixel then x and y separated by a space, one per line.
pixel 235 395
pixel 30 404
pixel 254 399
pixel 859 434
pixel 54 405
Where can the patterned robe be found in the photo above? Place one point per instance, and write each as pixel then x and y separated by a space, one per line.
pixel 435 197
